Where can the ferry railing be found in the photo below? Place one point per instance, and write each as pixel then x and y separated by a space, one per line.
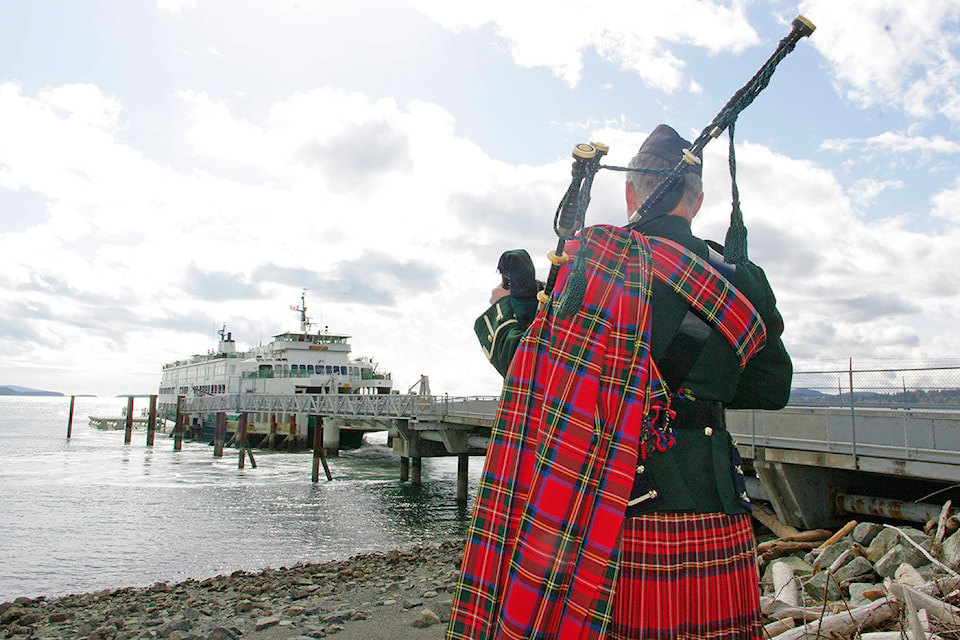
pixel 347 405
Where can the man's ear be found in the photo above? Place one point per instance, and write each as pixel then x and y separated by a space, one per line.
pixel 696 209
pixel 632 200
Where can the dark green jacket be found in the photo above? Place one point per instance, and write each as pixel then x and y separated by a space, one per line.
pixel 701 472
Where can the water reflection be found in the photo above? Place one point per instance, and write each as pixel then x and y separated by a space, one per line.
pixel 93 513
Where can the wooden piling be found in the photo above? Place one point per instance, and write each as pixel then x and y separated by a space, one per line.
pixel 70 418
pixel 152 420
pixel 243 442
pixel 292 437
pixel 219 434
pixel 178 426
pixel 404 468
pixel 272 440
pixel 242 439
pixel 128 429
pixel 318 455
pixel 463 467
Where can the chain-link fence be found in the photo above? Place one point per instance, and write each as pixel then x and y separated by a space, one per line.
pixel 872 385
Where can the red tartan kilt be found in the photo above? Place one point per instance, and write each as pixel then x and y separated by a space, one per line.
pixel 687 576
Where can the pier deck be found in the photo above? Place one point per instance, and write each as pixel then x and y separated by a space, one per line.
pixel 811 463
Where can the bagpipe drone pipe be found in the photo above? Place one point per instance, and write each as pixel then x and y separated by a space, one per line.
pixel 571 212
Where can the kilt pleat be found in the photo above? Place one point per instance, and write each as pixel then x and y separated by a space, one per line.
pixel 687 577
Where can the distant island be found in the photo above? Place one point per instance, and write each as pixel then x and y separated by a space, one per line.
pixel 13 390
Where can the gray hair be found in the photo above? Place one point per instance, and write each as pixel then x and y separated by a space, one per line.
pixel 645 183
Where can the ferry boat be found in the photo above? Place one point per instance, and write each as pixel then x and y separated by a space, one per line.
pixel 305 361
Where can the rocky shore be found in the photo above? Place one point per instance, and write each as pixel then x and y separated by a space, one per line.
pixel 865 580
pixel 399 594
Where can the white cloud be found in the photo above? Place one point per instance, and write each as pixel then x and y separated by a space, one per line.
pixel 386 196
pixel 892 53
pixel 864 192
pixel 176 6
pixel 894 143
pixel 636 36
pixel 946 204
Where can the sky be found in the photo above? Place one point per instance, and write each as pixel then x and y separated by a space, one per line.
pixel 168 167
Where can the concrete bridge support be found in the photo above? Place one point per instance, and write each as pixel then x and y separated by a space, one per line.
pixel 331 436
pixel 802 496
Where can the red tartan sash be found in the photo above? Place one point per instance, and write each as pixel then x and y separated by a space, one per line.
pixel 711 296
pixel 542 554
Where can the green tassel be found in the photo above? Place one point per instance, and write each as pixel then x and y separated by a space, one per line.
pixel 735 245
pixel 575 288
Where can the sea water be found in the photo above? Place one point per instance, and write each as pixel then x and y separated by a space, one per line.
pixel 90 512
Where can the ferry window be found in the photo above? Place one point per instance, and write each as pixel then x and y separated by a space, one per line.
pixel 329 369
pixel 336 369
pixel 309 368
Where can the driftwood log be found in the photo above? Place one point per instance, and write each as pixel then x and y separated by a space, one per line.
pixel 943 612
pixel 847 623
pixel 770 521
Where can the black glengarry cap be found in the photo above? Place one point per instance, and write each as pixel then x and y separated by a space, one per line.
pixel 665 143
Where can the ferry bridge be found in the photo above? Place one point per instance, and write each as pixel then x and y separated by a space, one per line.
pixel 815 465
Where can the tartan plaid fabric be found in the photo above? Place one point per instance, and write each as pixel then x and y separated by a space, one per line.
pixel 716 301
pixel 542 554
pixel 687 577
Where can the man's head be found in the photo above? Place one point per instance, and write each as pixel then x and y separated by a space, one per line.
pixel 662 150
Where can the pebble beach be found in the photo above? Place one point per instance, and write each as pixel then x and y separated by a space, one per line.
pixel 405 594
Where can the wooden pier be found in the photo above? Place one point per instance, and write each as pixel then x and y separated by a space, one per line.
pixel 815 465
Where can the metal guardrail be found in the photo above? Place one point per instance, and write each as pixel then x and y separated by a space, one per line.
pixel 347 405
pixel 868 413
pixel 414 407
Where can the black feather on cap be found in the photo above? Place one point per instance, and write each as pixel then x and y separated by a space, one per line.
pixel 664 142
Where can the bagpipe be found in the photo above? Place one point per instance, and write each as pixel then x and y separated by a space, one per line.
pixel 571 212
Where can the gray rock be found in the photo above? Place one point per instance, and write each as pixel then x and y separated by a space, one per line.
pixel 886 566
pixel 59 616
pixel 831 553
pixel 337 616
pixel 800 568
pixel 888 538
pixel 103 633
pixel 84 629
pixel 913 555
pixel 426 618
pixel 951 551
pixel 223 633
pixel 30 618
pixel 267 622
pixel 857 589
pixel 856 568
pixel 822 586
pixel 865 532
pixel 931 572
pixel 881 544
pixel 179 624
pixel 11 614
